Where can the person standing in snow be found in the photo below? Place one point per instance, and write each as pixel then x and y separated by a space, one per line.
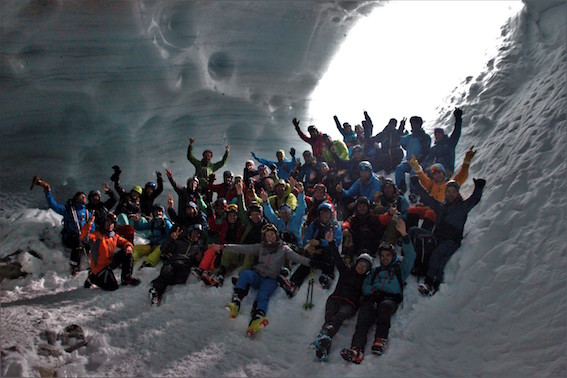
pixel 104 258
pixel 75 216
pixel 451 218
pixel 382 292
pixel 204 167
pixel 343 303
pixel 315 139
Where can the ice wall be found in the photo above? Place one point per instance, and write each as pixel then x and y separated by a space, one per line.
pixel 86 85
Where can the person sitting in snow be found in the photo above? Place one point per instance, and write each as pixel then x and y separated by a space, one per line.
pixel 99 208
pixel 192 215
pixel 365 186
pixel 129 202
pixel 159 228
pixel 204 167
pixel 382 292
pixel 272 254
pixel 451 218
pixel 435 185
pixel 75 216
pixel 343 303
pixel 283 196
pixel 186 194
pixel 388 197
pixel 443 150
pixel 318 249
pixel 104 258
pixel 151 191
pixel 284 166
pixel 180 252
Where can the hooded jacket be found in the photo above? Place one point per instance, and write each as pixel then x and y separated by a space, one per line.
pixel 75 215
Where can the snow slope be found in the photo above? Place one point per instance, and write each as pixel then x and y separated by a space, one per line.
pixel 501 311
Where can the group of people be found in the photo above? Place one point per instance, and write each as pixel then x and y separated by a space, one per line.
pixel 279 221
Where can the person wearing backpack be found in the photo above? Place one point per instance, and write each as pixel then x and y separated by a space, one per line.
pixel 382 292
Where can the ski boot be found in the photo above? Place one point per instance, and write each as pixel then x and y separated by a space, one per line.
pixel 212 280
pixel 233 307
pixel 197 272
pixel 257 323
pixel 155 297
pixel 426 290
pixel 289 287
pixel 322 344
pixel 354 355
pixel 131 281
pixel 379 346
pixel 74 269
pixel 325 281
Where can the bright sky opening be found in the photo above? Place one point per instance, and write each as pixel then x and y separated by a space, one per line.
pixel 405 57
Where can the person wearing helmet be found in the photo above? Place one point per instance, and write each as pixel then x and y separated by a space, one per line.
pixel 158 229
pixel 382 292
pixel 104 258
pixel 229 232
pixel 181 251
pixel 366 185
pixel 99 208
pixel 288 222
pixel 443 150
pixel 365 229
pixel 343 303
pixel 390 197
pixel 204 167
pixel 151 191
pixel 252 220
pixel 315 139
pixel 415 144
pixel 225 189
pixel 451 218
pixel 272 254
pixel 283 196
pixel 283 166
pixel 319 196
pixel 435 184
pixel 185 194
pixel 318 248
pixel 75 215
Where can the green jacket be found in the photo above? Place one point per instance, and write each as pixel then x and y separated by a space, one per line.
pixel 203 171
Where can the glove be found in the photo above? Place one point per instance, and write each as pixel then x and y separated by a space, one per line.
pixel 292 152
pixel 415 180
pixel 296 123
pixel 253 154
pixel 458 113
pixel 479 183
pixel 158 174
pixel 414 164
pixel 273 167
pixel 212 178
pixel 116 175
pixel 469 155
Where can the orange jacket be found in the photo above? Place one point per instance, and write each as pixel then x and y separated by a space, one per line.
pixel 102 247
pixel 437 190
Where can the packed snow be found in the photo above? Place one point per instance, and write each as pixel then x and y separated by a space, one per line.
pixel 501 310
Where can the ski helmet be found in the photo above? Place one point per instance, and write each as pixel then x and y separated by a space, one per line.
pixel 325 206
pixel 158 207
pixel 227 174
pixel 254 206
pixel 269 227
pixel 137 189
pixel 366 258
pixel 221 202
pixel 196 226
pixel 151 184
pixel 93 193
pixel 385 246
pixel 111 217
pixel 365 165
pixel 362 200
pixel 437 166
pixel 454 184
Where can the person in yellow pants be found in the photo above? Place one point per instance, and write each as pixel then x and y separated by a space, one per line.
pixel 159 228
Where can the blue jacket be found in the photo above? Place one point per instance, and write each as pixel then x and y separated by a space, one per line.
pixel 284 167
pixel 417 144
pixel 74 215
pixel 383 278
pixel 296 221
pixel 317 231
pixel 159 230
pixel 367 190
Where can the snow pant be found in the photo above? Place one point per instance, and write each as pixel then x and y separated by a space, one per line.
pixel 337 310
pixel 209 259
pixel 265 286
pixel 323 260
pixel 152 253
pixel 401 171
pixel 439 258
pixel 415 213
pixel 105 278
pixel 172 273
pixel 379 309
pixel 77 246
